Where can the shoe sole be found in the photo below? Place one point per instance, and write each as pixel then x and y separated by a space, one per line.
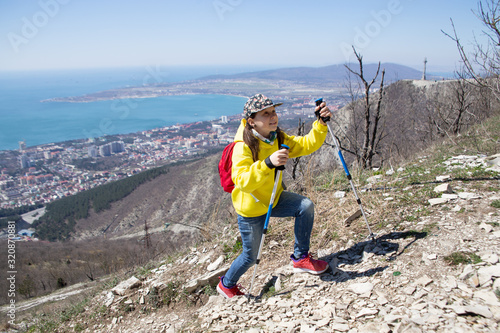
pixel 222 292
pixel 310 271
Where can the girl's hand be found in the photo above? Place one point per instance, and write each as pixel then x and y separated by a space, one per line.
pixel 324 112
pixel 279 157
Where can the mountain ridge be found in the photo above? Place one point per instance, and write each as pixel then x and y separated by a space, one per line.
pixel 330 73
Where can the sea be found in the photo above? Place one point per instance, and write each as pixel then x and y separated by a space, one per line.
pixel 24 117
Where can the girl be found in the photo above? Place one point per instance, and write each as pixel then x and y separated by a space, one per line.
pixel 255 157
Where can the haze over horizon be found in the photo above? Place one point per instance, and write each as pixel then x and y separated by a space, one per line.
pixel 69 34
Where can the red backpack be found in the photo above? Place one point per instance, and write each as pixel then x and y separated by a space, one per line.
pixel 225 165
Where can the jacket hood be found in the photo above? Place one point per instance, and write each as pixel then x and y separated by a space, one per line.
pixel 239 133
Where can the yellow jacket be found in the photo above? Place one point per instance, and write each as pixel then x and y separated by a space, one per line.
pixel 254 181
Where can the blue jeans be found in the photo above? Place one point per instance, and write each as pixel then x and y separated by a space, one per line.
pixel 251 228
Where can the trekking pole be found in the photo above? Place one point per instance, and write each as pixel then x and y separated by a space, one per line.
pixel 276 182
pixel 337 146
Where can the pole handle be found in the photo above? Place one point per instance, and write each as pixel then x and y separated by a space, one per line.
pixel 282 167
pixel 318 103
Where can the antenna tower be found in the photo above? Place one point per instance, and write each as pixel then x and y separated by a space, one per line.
pixel 425 67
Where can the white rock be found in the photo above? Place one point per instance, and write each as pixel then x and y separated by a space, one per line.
pixel 464 288
pixel 339 194
pixel 338 327
pixel 361 288
pixel 485 274
pixel 491 258
pixel 123 287
pixel 424 281
pixel 437 201
pixel 215 265
pixel 443 178
pixel 488 228
pixel 443 188
pixel 479 310
pixel 373 179
pixel 488 297
pixel 409 290
pixel 366 312
pixel 277 284
pixel 468 196
pixel 390 318
pixel 494 161
pixel 467 272
pixel 109 299
pixel 209 278
pixel 193 261
pixel 450 283
pixel 371 328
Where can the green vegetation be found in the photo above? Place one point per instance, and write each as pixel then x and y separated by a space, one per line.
pixel 48 323
pixel 209 290
pixel 60 218
pixel 232 250
pixel 457 258
pixel 171 292
pixel 495 204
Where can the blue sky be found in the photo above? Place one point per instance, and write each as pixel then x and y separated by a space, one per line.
pixel 66 34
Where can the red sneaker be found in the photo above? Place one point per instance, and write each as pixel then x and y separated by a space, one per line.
pixel 228 292
pixel 306 264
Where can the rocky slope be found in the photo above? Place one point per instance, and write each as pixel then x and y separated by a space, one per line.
pixel 433 266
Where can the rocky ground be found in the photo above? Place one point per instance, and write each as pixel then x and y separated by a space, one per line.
pixel 434 269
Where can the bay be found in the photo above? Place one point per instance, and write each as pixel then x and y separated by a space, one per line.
pixel 23 117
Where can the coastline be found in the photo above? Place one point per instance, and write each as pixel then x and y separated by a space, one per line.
pixel 229 87
pixel 91 99
pixel 121 118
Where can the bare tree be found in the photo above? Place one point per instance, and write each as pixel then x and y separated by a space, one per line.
pixel 364 142
pixel 482 65
pixel 296 161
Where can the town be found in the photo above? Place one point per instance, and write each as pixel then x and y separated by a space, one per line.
pixel 35 176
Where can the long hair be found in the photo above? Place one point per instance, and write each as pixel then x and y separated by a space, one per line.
pixel 252 142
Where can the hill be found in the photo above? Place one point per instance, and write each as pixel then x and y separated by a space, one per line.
pixel 327 74
pixel 297 82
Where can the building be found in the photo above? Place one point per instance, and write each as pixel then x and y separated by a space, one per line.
pixel 92 151
pixel 26 232
pixel 105 150
pixel 117 147
pixel 25 161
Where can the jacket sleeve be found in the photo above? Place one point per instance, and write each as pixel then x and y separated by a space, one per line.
pixel 309 143
pixel 246 174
